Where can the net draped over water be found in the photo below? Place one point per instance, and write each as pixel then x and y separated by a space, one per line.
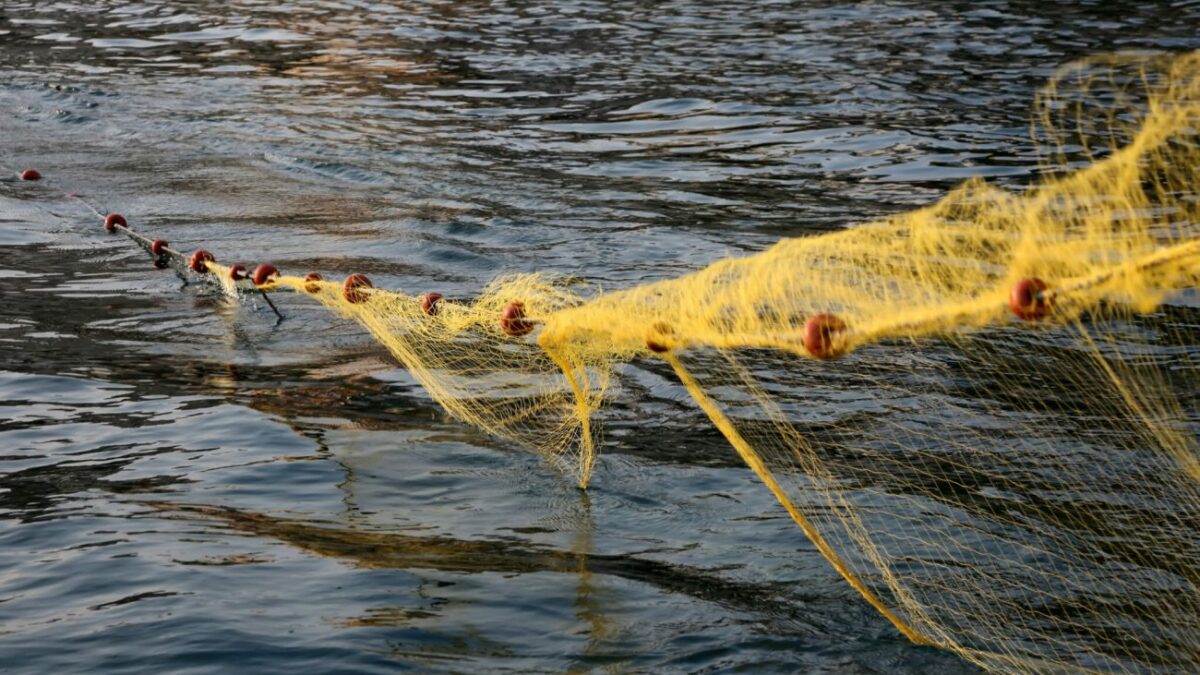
pixel 1025 493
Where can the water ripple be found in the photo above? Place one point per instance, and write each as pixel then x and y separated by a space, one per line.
pixel 185 484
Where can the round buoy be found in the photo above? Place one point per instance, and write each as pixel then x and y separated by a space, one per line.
pixel 158 248
pixel 512 320
pixel 263 273
pixel 311 282
pixel 112 220
pixel 656 337
pixel 1028 300
pixel 31 174
pixel 821 336
pixel 237 272
pixel 351 289
pixel 198 263
pixel 429 303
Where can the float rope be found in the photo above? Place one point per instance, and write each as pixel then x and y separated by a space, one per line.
pixel 824 336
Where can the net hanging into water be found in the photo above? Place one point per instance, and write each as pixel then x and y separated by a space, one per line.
pixel 1027 495
pixel 1022 491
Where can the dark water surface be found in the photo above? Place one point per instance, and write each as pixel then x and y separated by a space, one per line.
pixel 185 485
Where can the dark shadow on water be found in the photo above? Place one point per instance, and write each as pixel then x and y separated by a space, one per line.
pixel 393 550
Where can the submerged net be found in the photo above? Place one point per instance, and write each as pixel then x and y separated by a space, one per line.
pixel 1025 493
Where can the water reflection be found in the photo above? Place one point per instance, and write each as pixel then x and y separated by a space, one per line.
pixel 371 549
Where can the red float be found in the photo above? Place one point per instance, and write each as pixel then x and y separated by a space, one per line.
pixel 237 272
pixel 158 248
pixel 263 273
pixel 512 320
pixel 198 263
pixel 31 174
pixel 112 220
pixel 1028 299
pixel 429 303
pixel 352 288
pixel 655 335
pixel 820 336
pixel 311 282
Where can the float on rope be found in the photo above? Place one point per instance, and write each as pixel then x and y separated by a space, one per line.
pixel 659 336
pixel 823 336
pixel 112 220
pixel 353 288
pixel 1029 300
pixel 513 321
pixel 429 303
pixel 312 282
pixel 158 249
pixel 199 260
pixel 264 273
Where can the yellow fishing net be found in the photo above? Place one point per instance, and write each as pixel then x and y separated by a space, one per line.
pixel 1025 493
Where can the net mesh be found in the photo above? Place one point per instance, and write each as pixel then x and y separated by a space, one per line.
pixel 1024 493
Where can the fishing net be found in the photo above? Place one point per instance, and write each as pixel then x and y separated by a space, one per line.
pixel 1023 490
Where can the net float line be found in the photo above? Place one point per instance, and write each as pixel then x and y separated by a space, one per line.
pixel 356 288
pixel 824 336
pixel 164 255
